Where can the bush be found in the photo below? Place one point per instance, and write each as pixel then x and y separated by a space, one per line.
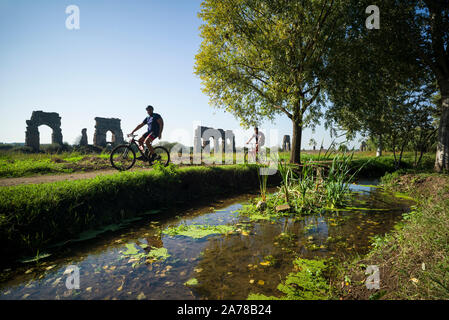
pixel 167 145
pixel 55 148
pixel 6 147
pixel 22 149
pixel 377 166
pixel 89 149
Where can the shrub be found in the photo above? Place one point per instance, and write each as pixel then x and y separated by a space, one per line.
pixel 56 148
pixel 22 149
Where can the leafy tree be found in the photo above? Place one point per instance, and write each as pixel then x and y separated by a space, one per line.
pixel 428 32
pixel 371 68
pixel 412 123
pixel 368 73
pixel 261 58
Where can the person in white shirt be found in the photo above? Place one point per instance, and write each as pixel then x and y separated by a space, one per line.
pixel 260 139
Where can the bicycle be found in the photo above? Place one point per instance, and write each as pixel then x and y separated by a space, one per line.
pixel 261 156
pixel 250 153
pixel 123 157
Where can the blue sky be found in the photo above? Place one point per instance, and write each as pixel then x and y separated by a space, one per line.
pixel 126 55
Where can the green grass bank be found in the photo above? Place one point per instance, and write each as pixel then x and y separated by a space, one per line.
pixel 34 216
pixel 16 164
pixel 413 259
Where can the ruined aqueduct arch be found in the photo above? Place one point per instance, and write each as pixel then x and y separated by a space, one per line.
pixel 38 118
pixel 222 139
pixel 102 126
pixel 286 143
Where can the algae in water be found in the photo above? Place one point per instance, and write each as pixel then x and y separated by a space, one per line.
pixel 191 282
pixel 308 283
pixel 198 231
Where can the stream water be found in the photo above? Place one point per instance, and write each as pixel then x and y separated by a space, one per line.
pixel 223 266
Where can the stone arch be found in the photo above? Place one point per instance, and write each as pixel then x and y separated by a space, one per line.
pixel 38 118
pixel 102 126
pixel 109 136
pixel 223 141
pixel 286 143
pixel 363 146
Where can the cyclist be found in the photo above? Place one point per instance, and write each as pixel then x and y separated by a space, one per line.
pixel 155 126
pixel 260 140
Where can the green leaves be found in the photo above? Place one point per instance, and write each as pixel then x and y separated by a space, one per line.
pixel 372 76
pixel 198 231
pixel 136 255
pixel 131 249
pixel 261 58
pixel 191 282
pixel 308 283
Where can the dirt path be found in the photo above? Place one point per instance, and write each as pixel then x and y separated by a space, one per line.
pixel 7 182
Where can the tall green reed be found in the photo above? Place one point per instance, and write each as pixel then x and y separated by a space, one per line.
pixel 262 175
pixel 287 175
pixel 306 182
pixel 339 178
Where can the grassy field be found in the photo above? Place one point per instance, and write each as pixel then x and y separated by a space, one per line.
pixel 13 164
pixel 21 164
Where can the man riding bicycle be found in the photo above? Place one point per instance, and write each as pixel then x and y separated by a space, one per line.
pixel 260 140
pixel 155 127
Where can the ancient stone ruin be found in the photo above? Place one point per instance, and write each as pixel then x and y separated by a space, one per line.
pixel 83 141
pixel 223 140
pixel 286 143
pixel 363 146
pixel 38 118
pixel 102 126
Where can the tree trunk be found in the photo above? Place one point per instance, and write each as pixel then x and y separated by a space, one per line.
pixel 394 149
pixel 295 155
pixel 402 152
pixel 379 147
pixel 442 156
pixel 420 157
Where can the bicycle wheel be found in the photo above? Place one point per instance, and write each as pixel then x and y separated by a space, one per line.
pixel 162 156
pixel 250 157
pixel 245 158
pixel 123 157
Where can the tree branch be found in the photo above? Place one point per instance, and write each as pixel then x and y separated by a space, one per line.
pixel 285 111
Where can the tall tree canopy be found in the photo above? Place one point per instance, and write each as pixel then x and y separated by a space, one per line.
pixel 371 69
pixel 429 32
pixel 261 58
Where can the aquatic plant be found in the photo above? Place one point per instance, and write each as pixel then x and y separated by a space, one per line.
pixel 136 255
pixel 39 256
pixel 305 184
pixel 262 175
pixel 198 231
pixel 158 254
pixel 312 192
pixel 191 282
pixel 286 174
pixel 339 177
pixel 308 283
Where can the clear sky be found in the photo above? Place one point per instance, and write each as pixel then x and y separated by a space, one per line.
pixel 126 55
